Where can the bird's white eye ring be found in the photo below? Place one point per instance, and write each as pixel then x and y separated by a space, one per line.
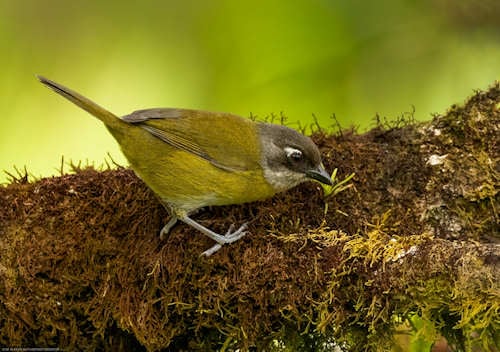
pixel 292 153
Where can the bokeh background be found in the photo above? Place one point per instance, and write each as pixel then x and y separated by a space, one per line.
pixel 349 58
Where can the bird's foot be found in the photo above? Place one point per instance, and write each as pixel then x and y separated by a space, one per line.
pixel 230 237
pixel 168 226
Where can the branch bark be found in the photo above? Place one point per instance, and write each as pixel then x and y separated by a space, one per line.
pixel 416 236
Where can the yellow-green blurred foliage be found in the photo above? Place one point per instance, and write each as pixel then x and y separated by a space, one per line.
pixel 351 58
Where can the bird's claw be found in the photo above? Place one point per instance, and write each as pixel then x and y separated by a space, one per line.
pixel 168 226
pixel 230 237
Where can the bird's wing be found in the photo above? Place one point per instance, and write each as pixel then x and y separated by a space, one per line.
pixel 227 141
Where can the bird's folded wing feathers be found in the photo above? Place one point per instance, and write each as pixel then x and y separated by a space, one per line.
pixel 227 141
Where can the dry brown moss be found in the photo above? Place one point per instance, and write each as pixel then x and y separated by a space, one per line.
pixel 82 265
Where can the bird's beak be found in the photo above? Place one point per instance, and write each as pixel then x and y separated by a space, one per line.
pixel 319 174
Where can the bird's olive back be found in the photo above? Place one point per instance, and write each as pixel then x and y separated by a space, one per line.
pixel 226 140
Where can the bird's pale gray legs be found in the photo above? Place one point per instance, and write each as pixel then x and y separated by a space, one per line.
pixel 230 236
pixel 168 226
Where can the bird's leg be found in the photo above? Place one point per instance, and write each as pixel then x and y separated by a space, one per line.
pixel 168 226
pixel 230 237
pixel 174 217
pixel 212 250
pixel 229 234
pixel 221 239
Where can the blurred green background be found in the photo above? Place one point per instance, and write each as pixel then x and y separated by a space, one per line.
pixel 351 58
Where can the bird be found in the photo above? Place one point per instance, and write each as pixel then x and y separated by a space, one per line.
pixel 192 159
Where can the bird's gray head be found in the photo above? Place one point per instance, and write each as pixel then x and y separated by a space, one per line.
pixel 289 158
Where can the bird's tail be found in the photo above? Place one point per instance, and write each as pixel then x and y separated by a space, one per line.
pixel 110 120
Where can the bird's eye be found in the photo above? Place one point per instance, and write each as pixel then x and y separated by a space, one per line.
pixel 293 154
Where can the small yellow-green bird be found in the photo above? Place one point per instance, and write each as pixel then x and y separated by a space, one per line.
pixel 193 159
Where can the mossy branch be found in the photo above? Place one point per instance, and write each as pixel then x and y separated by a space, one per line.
pixel 417 235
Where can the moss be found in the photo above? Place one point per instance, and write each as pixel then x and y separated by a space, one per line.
pixel 414 237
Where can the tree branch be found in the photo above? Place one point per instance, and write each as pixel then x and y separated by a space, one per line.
pixel 417 235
